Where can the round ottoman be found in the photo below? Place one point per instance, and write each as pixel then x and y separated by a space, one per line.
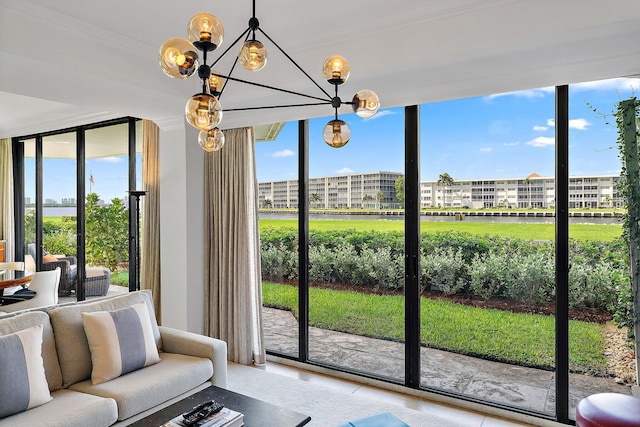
pixel 608 409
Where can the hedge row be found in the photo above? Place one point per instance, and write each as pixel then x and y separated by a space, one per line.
pixel 454 262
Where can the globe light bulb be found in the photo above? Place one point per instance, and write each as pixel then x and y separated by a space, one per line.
pixel 178 58
pixel 216 83
pixel 253 55
pixel 206 28
pixel 365 103
pixel 336 133
pixel 336 70
pixel 203 111
pixel 212 140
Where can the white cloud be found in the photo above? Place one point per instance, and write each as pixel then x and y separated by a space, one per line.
pixel 486 149
pixel 542 141
pixel 344 171
pixel 110 159
pixel 580 124
pixel 511 144
pixel 382 113
pixel 540 128
pixel 282 153
pixel 530 93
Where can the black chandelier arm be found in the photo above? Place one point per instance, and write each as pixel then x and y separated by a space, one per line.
pixel 294 62
pixel 244 34
pixel 274 88
pixel 233 67
pixel 275 106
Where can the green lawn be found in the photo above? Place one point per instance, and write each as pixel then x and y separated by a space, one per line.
pixel 521 339
pixel 594 232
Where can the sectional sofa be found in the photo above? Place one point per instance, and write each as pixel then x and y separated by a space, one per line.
pixel 80 380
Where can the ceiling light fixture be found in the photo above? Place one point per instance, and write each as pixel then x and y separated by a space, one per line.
pixel 179 58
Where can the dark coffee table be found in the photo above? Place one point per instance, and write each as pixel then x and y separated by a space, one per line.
pixel 256 412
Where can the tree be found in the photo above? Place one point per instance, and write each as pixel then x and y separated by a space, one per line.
pixel 314 198
pixel 399 184
pixel 527 182
pixel 367 198
pixel 267 203
pixel 380 198
pixel 107 232
pixel 445 180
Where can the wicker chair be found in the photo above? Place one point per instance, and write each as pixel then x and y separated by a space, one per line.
pixel 68 270
pixel 98 284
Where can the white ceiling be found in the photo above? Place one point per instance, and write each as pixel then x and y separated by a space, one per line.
pixel 70 62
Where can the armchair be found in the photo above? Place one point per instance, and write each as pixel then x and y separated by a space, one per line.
pixel 68 269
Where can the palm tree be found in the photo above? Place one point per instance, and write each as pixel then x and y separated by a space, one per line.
pixel 314 198
pixel 367 198
pixel 380 198
pixel 527 182
pixel 266 203
pixel 445 181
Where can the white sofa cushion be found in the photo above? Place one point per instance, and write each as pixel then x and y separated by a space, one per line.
pixel 23 384
pixel 121 341
pixel 145 388
pixel 18 322
pixel 71 341
pixel 67 409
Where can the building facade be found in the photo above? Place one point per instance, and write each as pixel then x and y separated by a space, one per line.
pixel 598 191
pixel 376 190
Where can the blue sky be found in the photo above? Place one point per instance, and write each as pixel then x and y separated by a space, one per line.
pixel 499 136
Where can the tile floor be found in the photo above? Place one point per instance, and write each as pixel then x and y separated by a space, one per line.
pixel 461 415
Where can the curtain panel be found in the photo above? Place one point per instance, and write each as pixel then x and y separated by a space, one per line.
pixel 150 252
pixel 6 198
pixel 233 284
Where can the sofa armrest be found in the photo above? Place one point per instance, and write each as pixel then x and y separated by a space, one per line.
pixel 190 344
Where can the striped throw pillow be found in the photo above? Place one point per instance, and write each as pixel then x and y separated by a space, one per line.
pixel 23 384
pixel 120 341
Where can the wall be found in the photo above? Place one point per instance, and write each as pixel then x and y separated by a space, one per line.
pixel 181 226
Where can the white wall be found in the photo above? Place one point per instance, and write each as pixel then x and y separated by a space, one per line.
pixel 181 226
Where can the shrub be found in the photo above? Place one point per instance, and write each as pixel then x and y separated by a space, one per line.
pixel 443 268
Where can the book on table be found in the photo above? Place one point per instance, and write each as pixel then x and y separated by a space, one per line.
pixel 224 418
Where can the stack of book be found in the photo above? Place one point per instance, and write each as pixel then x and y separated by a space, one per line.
pixel 224 418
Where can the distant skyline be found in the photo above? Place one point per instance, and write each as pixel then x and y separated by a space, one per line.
pixel 507 135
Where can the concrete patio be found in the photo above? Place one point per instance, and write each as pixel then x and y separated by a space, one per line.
pixel 527 388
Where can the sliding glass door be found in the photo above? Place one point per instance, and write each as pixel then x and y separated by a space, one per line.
pixel 62 221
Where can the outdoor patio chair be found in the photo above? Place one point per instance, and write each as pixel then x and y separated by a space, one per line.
pixel 68 269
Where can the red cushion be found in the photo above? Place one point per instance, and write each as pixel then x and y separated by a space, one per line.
pixel 608 409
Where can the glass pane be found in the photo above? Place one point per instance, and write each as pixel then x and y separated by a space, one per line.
pixel 487 262
pixel 277 170
pixel 356 247
pixel 601 353
pixel 60 209
pixel 107 209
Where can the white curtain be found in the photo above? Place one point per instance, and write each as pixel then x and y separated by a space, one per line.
pixel 233 284
pixel 6 198
pixel 150 242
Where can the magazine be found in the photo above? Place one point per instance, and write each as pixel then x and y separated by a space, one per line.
pixel 224 418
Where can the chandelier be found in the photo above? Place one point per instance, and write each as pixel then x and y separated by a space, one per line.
pixel 180 58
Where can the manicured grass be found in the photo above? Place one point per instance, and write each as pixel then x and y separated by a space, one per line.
pixel 521 339
pixel 120 278
pixel 593 232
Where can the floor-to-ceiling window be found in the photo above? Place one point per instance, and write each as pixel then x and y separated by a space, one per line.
pixel 277 172
pixel 490 185
pixel 76 181
pixel 601 358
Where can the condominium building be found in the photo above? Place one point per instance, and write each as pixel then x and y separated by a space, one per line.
pixel 377 190
pixel 364 190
